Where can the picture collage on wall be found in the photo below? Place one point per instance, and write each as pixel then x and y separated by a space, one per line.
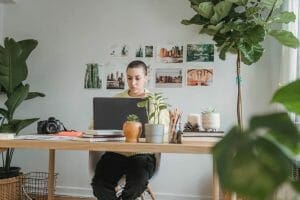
pixel 173 66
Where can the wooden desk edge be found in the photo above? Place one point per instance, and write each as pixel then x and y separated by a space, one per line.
pixel 187 147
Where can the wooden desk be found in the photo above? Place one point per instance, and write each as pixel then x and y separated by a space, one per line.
pixel 197 147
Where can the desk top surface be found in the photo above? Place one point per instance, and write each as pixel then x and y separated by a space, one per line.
pixel 196 147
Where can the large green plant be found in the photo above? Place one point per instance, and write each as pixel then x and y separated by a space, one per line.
pixel 13 71
pixel 240 27
pixel 257 162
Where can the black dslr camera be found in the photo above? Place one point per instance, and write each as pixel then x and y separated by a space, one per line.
pixel 49 126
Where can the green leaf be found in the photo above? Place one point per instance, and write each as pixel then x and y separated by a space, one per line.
pixel 14 70
pixel 289 96
pixel 205 9
pixel 250 53
pixel 238 2
pixel 16 98
pixel 285 37
pixel 197 19
pixel 238 153
pixel 32 95
pixel 4 113
pixel 255 35
pixel 284 17
pixel 221 10
pixel 16 125
pixel 142 104
pixel 280 126
pixel 270 3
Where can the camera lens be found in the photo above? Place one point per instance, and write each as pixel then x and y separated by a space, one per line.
pixel 52 127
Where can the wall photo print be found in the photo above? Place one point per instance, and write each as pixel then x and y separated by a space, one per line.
pixel 115 79
pixel 168 78
pixel 199 77
pixel 119 50
pixel 170 54
pixel 149 51
pixel 91 78
pixel 200 53
pixel 139 52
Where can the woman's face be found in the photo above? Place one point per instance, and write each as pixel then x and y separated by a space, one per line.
pixel 136 80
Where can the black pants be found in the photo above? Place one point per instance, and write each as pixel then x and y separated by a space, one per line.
pixel 112 166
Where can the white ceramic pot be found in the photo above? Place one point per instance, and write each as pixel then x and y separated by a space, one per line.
pixel 154 133
pixel 211 121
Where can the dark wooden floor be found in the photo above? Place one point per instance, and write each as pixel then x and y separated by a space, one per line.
pixel 72 198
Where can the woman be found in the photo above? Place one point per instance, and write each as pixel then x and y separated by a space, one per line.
pixel 138 167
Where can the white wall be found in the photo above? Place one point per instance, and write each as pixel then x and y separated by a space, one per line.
pixel 1 24
pixel 72 33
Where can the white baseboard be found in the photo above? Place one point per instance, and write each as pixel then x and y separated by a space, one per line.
pixel 87 192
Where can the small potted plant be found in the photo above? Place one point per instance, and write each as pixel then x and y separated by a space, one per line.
pixel 154 104
pixel 210 120
pixel 132 128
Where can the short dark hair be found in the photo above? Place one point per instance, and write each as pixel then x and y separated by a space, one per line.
pixel 137 64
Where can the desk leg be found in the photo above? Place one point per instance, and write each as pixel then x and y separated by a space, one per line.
pixel 51 174
pixel 215 183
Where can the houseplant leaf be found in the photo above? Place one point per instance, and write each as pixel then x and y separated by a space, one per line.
pixel 32 95
pixel 205 9
pixel 285 37
pixel 284 17
pixel 16 125
pixel 16 98
pixel 281 127
pixel 221 10
pixel 197 19
pixel 251 53
pixel 14 70
pixel 289 96
pixel 264 173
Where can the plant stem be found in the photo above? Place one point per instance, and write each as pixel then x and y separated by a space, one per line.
pixel 239 95
pixel 272 10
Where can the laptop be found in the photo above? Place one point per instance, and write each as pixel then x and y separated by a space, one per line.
pixel 111 112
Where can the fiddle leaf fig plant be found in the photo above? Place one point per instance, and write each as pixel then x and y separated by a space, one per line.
pixel 13 71
pixel 256 163
pixel 240 27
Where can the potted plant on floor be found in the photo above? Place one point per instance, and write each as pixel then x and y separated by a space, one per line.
pixel 132 128
pixel 240 27
pixel 13 71
pixel 154 104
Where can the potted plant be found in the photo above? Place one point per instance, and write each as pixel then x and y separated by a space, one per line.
pixel 256 163
pixel 154 104
pixel 240 27
pixel 132 128
pixel 210 120
pixel 13 72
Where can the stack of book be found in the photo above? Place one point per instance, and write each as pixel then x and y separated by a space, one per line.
pixel 202 136
pixel 102 136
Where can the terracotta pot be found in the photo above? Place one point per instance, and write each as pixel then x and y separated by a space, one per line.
pixel 132 131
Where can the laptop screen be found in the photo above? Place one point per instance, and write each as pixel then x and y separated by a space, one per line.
pixel 111 112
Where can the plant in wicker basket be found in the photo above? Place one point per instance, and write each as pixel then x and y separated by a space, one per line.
pixel 13 71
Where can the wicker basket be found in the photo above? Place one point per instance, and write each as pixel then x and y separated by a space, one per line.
pixel 10 188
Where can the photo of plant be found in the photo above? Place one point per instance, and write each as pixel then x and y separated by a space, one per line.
pixel 149 51
pixel 139 52
pixel 170 54
pixel 199 77
pixel 168 78
pixel 91 79
pixel 119 50
pixel 115 80
pixel 200 53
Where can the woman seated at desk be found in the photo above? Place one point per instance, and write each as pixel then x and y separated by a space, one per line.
pixel 138 167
